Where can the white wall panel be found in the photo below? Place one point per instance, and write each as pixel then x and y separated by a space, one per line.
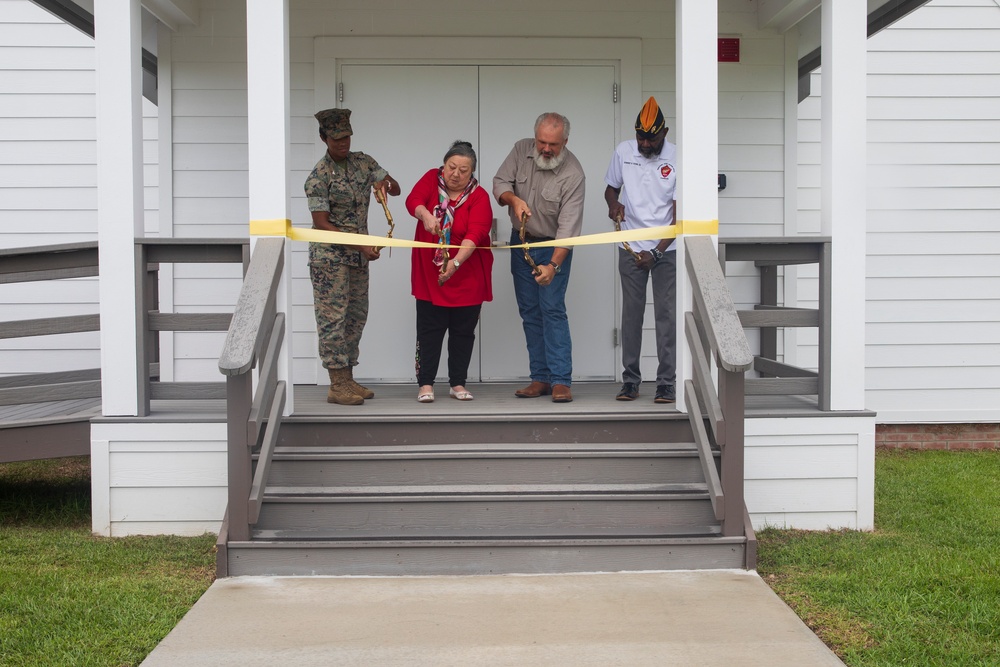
pixel 33 32
pixel 158 478
pixel 933 285
pixel 48 177
pixel 810 473
pixel 168 504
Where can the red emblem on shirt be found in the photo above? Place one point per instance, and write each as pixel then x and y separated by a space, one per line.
pixel 665 171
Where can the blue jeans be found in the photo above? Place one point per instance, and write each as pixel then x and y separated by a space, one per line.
pixel 543 315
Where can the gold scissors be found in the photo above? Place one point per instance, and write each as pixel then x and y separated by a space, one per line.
pixel 527 257
pixel 444 253
pixel 618 228
pixel 380 198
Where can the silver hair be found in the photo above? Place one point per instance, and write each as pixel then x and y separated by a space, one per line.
pixel 555 119
pixel 462 149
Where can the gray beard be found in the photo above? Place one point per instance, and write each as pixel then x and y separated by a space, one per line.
pixel 549 163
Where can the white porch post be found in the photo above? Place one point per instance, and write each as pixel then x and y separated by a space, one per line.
pixel 843 200
pixel 697 144
pixel 119 199
pixel 268 122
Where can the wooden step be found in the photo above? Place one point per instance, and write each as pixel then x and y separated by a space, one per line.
pixel 495 463
pixel 544 428
pixel 396 489
pixel 487 511
pixel 485 556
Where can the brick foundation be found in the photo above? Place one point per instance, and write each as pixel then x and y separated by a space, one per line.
pixel 938 436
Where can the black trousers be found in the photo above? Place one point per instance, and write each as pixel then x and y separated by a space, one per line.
pixel 432 323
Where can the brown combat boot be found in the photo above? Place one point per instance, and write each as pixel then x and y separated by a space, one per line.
pixel 360 390
pixel 340 391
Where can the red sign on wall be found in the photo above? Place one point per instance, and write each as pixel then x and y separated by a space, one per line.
pixel 729 49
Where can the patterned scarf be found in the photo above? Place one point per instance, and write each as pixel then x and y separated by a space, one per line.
pixel 445 213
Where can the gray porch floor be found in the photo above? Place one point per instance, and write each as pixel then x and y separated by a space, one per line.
pixel 397 402
pixel 491 399
pixel 497 398
pixel 704 618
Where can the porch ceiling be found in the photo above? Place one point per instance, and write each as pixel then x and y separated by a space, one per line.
pixel 779 15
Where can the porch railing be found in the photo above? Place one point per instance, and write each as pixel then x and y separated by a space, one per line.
pixel 150 253
pixel 51 262
pixel 253 417
pixel 778 378
pixel 714 333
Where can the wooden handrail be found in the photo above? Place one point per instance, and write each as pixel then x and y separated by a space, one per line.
pixel 703 380
pixel 48 262
pixel 713 331
pixel 256 332
pixel 267 446
pixel 248 329
pixel 701 441
pixel 712 298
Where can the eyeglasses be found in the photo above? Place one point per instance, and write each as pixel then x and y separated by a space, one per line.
pixel 527 257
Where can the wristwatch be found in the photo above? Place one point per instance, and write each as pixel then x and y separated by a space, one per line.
pixel 456 263
pixel 657 255
pixel 554 266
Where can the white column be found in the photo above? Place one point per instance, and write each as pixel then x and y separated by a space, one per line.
pixel 790 283
pixel 697 144
pixel 119 198
pixel 269 125
pixel 843 200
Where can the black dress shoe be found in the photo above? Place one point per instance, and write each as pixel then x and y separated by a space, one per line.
pixel 629 392
pixel 664 394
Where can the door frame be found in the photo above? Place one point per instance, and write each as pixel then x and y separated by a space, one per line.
pixel 625 55
pixel 622 54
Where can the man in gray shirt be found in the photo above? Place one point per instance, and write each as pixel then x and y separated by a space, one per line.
pixel 543 181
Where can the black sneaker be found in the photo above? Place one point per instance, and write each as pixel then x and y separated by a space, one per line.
pixel 664 394
pixel 629 392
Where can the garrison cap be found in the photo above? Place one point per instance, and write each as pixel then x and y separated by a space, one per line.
pixel 650 119
pixel 336 123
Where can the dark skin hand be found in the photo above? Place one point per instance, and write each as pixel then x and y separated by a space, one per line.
pixel 616 210
pixel 321 219
pixel 339 149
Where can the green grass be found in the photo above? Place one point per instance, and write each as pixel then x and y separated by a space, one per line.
pixel 924 587
pixel 68 598
pixel 922 590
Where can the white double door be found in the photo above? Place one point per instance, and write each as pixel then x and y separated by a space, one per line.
pixel 407 116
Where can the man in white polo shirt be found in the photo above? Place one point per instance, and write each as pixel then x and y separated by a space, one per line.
pixel 641 180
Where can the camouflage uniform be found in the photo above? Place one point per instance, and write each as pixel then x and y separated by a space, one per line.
pixel 339 273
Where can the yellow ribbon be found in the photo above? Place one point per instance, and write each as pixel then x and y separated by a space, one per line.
pixel 285 228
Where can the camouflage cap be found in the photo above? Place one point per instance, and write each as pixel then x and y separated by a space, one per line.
pixel 335 122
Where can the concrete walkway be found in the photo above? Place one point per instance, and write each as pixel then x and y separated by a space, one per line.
pixel 701 618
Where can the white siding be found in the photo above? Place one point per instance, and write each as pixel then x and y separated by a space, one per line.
pixel 151 479
pixel 933 278
pixel 811 474
pixel 48 175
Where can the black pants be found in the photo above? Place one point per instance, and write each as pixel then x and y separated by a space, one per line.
pixel 432 324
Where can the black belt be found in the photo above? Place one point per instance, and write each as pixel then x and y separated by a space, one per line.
pixel 537 239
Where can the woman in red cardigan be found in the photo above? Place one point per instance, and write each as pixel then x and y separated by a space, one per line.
pixel 450 286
